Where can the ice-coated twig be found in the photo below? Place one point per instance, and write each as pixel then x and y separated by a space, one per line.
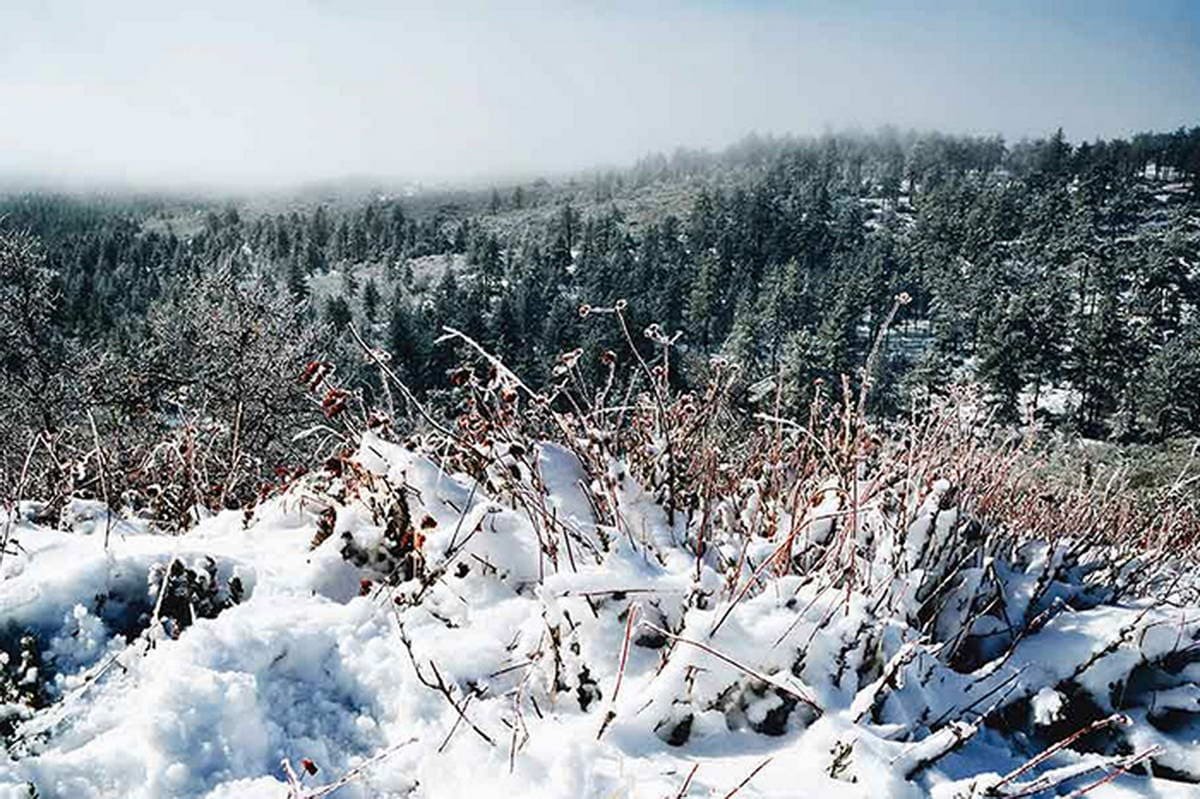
pixel 795 693
pixel 1123 767
pixel 321 791
pixel 925 753
pixel 749 777
pixel 630 620
pixel 438 684
pixel 404 389
pixel 1037 760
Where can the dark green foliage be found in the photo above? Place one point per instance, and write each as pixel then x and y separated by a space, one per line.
pixel 370 300
pixel 1031 267
pixel 338 313
pixel 410 341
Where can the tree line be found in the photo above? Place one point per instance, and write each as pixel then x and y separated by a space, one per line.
pixel 1037 269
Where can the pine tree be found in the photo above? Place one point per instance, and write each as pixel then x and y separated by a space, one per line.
pixel 341 241
pixel 297 280
pixel 504 330
pixel 703 301
pixel 491 266
pixel 399 231
pixel 447 300
pixel 320 228
pixel 338 313
pixel 350 283
pixel 779 307
pixel 370 300
pixel 744 344
pixel 799 369
pixel 1170 389
pixel 410 342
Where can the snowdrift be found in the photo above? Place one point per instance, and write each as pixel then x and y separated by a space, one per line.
pixel 390 628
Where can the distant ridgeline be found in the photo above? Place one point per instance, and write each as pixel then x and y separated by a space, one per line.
pixel 1059 276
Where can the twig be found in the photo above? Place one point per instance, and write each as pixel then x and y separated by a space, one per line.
pixel 439 685
pixel 612 702
pixel 749 777
pixel 1116 718
pixel 683 789
pixel 1117 772
pixel 349 776
pixel 787 689
pixel 408 395
pixel 103 478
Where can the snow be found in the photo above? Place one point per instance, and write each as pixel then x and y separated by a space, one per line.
pixel 812 688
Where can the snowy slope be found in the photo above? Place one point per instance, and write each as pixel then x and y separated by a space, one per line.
pixel 630 669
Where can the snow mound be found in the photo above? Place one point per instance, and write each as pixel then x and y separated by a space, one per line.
pixel 388 629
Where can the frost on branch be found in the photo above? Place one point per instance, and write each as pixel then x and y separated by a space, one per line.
pixel 574 589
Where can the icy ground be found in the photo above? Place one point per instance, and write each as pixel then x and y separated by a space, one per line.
pixel 633 669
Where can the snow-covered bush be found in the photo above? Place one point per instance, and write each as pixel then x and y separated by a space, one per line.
pixel 20 685
pixel 197 418
pixel 183 593
pixel 575 591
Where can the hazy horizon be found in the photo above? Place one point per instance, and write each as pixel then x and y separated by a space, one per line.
pixel 273 95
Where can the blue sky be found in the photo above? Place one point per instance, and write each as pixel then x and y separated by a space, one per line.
pixel 270 92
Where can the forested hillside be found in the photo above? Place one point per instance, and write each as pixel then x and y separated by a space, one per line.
pixel 1057 275
pixel 720 472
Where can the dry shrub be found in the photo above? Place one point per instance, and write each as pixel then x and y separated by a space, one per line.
pixel 200 417
pixel 717 471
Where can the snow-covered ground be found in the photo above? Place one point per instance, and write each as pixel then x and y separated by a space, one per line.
pixel 632 668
